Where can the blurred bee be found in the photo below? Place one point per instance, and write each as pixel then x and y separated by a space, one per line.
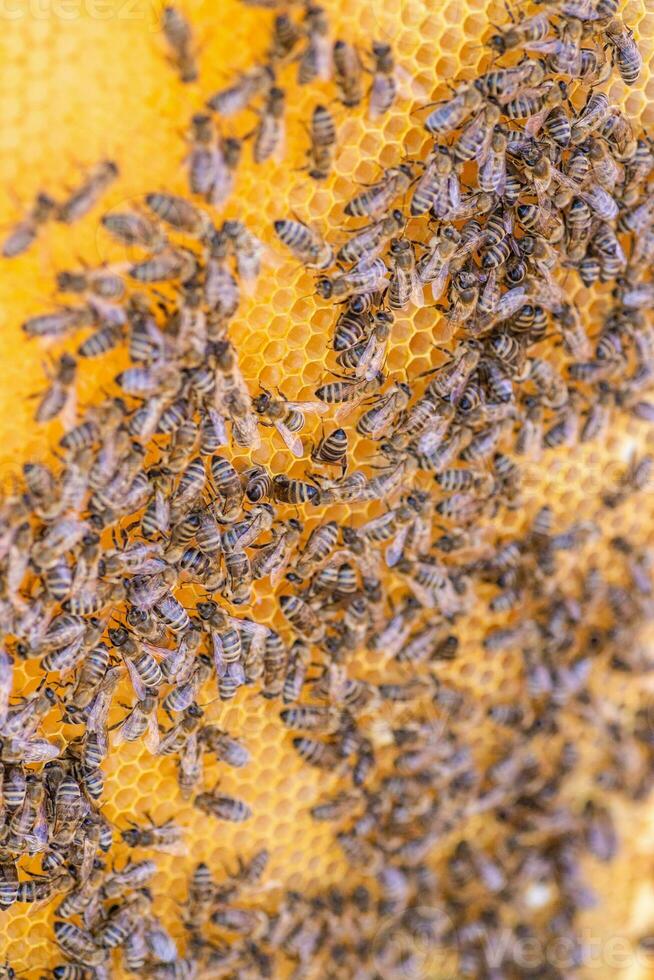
pixel 87 195
pixel 285 35
pixel 625 51
pixel 236 97
pixel 348 74
pixel 383 90
pixel 322 755
pixel 132 228
pixel 305 244
pixel 315 62
pixel 58 324
pixel 269 133
pixel 24 233
pixel 177 32
pixel 78 943
pixel 287 417
pixel 222 807
pixel 295 675
pixel 161 837
pixel 59 398
pixel 377 199
pixel 322 133
pixel 168 265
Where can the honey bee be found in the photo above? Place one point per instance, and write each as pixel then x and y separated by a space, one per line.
pixel 294 491
pixel 322 133
pixel 625 51
pixel 521 34
pixel 305 244
pixel 301 617
pixel 25 232
pixel 178 35
pixel 82 200
pixel 383 90
pixel 453 113
pixel 222 807
pixel 287 417
pixel 59 398
pixel 204 158
pixel 591 117
pixel 348 74
pixel 140 721
pixel 322 755
pixel 236 97
pixel 377 199
pixel 332 449
pixel 315 62
pixel 367 276
pixel 78 943
pixel 58 324
pixel 166 266
pixel 369 241
pixel 269 135
pixel 164 837
pixel 377 419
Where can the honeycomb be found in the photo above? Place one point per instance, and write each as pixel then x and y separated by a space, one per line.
pixel 110 93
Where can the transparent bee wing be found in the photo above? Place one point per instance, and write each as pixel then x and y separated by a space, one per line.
pixel 6 677
pixel 135 678
pixel 152 737
pixel 438 284
pixel 396 547
pixel 313 407
pixel 292 440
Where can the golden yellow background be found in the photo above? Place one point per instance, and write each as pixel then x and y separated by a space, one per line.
pixel 88 79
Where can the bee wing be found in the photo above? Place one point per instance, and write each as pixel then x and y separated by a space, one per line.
pixel 218 421
pixel 438 284
pixel 346 409
pixel 422 594
pixel 323 57
pixel 315 408
pixel 396 547
pixel 278 572
pixel 6 676
pixel 162 510
pixel 417 295
pixel 69 410
pixel 135 678
pixel 291 439
pixel 152 737
pixel 534 123
pixel 248 431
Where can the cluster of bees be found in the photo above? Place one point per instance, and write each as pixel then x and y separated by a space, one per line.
pixel 130 571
